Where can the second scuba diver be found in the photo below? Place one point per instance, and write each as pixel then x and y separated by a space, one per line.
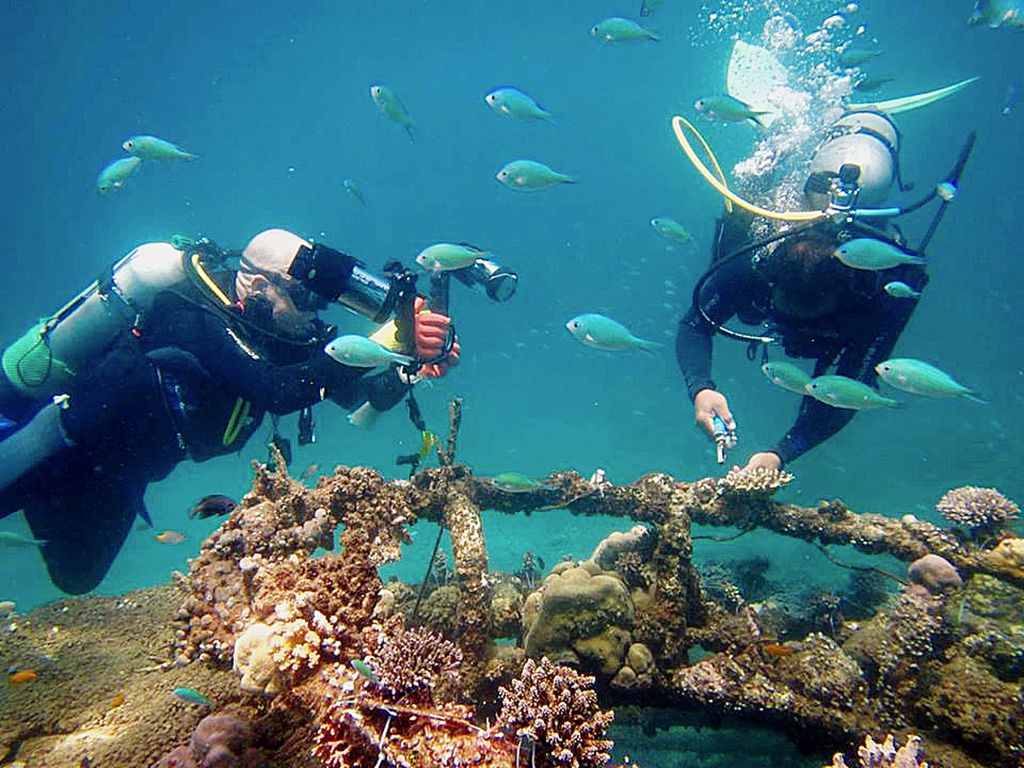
pixel 804 299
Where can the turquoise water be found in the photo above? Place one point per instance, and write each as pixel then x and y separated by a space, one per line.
pixel 276 103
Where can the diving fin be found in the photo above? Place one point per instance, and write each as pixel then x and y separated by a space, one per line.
pixel 907 103
pixel 753 73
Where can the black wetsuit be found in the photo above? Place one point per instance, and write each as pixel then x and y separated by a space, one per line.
pixel 858 334
pixel 154 400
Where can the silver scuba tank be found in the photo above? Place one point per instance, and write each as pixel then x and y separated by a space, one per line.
pixel 43 361
pixel 868 140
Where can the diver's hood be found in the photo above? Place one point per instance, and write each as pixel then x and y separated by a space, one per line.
pixel 868 140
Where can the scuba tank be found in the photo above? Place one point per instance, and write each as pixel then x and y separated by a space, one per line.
pixel 868 141
pixel 43 362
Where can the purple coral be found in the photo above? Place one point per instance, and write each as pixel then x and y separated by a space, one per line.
pixel 934 573
pixel 979 510
pixel 219 741
pixel 886 755
pixel 410 662
pixel 556 708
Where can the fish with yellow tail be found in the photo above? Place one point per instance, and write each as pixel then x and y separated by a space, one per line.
pixel 600 332
pixel 920 378
pixel 390 105
pixel 844 392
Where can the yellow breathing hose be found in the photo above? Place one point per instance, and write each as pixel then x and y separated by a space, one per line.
pixel 679 126
pixel 214 288
pixel 240 412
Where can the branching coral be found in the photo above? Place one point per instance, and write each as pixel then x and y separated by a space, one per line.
pixel 886 755
pixel 982 511
pixel 410 662
pixel 556 709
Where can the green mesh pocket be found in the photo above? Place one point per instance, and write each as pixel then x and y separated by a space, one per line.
pixel 31 367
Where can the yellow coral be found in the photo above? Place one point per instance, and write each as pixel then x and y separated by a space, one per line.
pixel 759 481
pixel 1008 556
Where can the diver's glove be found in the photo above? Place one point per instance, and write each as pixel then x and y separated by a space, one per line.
pixel 431 334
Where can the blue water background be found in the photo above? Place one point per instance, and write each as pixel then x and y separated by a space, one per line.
pixel 274 98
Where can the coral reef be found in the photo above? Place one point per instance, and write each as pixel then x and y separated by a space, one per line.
pixel 323 655
pixel 981 511
pixel 886 754
pixel 556 709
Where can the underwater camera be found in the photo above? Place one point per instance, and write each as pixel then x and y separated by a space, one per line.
pixel 338 277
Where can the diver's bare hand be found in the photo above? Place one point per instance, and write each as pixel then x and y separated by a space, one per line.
pixel 707 404
pixel 765 460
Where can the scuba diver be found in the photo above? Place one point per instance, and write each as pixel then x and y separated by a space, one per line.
pixel 789 282
pixel 176 354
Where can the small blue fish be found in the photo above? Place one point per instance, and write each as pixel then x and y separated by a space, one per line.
pixel 390 105
pixel 728 109
pixel 870 254
pixel 353 188
pixel 921 378
pixel 17 541
pixel 900 290
pixel 153 148
pixel 360 352
pixel 530 175
pixel 787 376
pixel 855 55
pixel 619 30
pixel 1012 97
pixel 364 669
pixel 511 102
pixel 116 174
pixel 192 696
pixel 844 392
pixel 602 332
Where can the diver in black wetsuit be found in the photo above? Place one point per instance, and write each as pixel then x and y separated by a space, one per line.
pixel 807 301
pixel 176 356
pixel 817 309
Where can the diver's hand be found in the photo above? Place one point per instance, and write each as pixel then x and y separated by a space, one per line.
pixel 431 333
pixel 765 460
pixel 707 404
